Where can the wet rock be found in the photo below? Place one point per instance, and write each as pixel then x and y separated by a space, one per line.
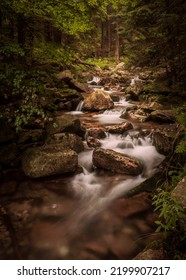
pixel 119 66
pixel 152 254
pixel 67 140
pixel 131 95
pixel 149 185
pixel 93 142
pixel 6 134
pixel 32 136
pixel 96 132
pixel 179 192
pixel 163 116
pixel 126 207
pixel 98 100
pixel 115 98
pixel 135 89
pixel 61 99
pixel 69 79
pixel 136 114
pixel 115 162
pixel 64 123
pixel 120 128
pixel 162 143
pixel 49 160
pixel 151 106
pixel 8 153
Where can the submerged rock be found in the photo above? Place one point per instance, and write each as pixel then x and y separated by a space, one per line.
pixel 116 162
pixel 49 160
pixel 98 100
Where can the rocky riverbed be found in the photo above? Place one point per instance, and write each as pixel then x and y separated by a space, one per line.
pixel 83 190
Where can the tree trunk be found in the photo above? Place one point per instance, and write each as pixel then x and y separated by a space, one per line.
pixel 108 37
pixel 117 54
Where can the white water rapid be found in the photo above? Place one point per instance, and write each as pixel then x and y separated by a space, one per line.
pixel 97 189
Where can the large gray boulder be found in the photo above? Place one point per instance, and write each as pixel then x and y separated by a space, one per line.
pixel 49 160
pixel 98 100
pixel 116 162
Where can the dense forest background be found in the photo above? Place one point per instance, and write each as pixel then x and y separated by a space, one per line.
pixel 59 33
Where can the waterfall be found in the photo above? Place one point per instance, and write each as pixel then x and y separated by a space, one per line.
pixel 80 106
pixel 94 80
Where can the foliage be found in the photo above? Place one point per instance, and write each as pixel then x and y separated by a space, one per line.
pixel 172 216
pixel 20 96
pixel 171 211
pixel 178 171
pixel 101 62
pixel 172 222
pixel 53 53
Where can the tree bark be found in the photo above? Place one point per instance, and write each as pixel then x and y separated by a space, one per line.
pixel 117 54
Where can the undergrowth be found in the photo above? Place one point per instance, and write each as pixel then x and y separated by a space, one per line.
pixel 172 215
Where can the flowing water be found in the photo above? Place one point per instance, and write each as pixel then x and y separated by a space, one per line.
pixel 85 216
pixel 96 189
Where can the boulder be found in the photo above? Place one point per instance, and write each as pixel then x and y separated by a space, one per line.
pixel 49 160
pixel 162 143
pixel 163 116
pixel 152 254
pixel 69 79
pixel 64 123
pixel 67 140
pixel 32 136
pixel 116 162
pixel 120 128
pixel 137 114
pixel 61 99
pixel 98 100
pixel 93 142
pixel 131 95
pixel 179 192
pixel 96 132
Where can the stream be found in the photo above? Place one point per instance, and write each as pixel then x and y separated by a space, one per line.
pixel 87 216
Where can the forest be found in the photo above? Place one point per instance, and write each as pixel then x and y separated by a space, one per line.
pixel 103 82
